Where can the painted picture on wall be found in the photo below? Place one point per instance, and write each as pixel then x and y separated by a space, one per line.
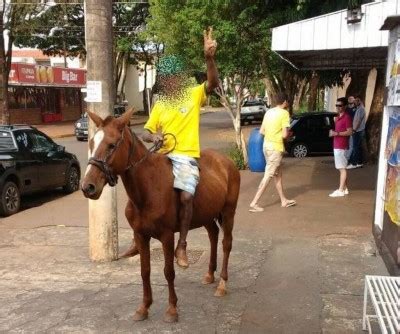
pixel 392 194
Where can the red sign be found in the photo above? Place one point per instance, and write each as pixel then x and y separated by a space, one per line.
pixel 46 75
pixel 69 76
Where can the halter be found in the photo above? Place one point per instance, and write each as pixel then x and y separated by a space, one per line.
pixel 102 164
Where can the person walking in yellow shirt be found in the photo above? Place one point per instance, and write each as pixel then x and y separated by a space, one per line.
pixel 275 129
pixel 177 113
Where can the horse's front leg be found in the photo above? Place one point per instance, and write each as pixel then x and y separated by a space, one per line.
pixel 143 243
pixel 167 240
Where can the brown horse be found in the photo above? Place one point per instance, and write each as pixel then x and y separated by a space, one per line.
pixel 153 206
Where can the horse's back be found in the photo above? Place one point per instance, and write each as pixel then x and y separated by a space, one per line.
pixel 219 184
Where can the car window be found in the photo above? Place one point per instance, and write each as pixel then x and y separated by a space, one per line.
pixel 315 123
pixel 293 122
pixel 6 141
pixel 253 103
pixel 24 142
pixel 41 143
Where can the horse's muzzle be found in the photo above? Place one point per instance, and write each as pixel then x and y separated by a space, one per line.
pixel 89 190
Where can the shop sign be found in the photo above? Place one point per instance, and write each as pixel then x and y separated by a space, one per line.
pixel 46 75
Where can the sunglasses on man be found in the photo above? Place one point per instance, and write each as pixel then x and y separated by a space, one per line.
pixel 339 105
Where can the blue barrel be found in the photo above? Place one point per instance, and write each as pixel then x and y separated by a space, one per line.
pixel 255 151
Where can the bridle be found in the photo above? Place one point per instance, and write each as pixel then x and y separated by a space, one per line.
pixel 102 164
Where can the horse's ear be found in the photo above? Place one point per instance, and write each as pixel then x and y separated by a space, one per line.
pixel 95 118
pixel 125 118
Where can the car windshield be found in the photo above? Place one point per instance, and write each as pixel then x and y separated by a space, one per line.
pixel 6 141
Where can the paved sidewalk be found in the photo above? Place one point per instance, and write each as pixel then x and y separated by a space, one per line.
pixel 292 270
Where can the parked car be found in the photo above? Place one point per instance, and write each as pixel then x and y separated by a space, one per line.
pixel 309 133
pixel 82 125
pixel 252 111
pixel 30 162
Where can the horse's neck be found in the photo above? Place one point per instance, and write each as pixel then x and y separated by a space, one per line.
pixel 136 176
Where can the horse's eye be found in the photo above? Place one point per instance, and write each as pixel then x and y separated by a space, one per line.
pixel 111 146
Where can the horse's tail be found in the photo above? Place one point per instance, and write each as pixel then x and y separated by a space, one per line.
pixel 219 221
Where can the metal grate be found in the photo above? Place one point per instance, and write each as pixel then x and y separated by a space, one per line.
pixel 384 294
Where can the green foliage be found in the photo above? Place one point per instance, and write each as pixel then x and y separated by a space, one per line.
pixel 214 101
pixel 237 156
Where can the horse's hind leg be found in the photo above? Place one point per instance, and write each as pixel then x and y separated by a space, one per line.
pixel 212 230
pixel 167 240
pixel 227 226
pixel 143 244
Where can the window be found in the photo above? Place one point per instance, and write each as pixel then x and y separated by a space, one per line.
pixel 41 143
pixel 6 141
pixel 72 97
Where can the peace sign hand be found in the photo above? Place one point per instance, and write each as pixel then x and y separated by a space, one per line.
pixel 210 45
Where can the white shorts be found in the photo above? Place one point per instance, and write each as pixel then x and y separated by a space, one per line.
pixel 341 161
pixel 186 172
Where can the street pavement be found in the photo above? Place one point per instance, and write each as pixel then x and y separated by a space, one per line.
pixel 292 270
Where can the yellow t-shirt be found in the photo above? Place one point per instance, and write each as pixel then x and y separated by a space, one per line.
pixel 275 120
pixel 181 117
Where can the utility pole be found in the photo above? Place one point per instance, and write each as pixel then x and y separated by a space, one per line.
pixel 3 92
pixel 103 224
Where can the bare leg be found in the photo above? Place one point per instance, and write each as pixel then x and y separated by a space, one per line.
pixel 213 232
pixel 185 217
pixel 279 188
pixel 171 315
pixel 343 179
pixel 144 249
pixel 261 188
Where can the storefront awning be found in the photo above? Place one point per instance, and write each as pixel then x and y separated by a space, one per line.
pixel 361 58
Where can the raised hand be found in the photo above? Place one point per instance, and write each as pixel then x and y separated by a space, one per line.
pixel 210 45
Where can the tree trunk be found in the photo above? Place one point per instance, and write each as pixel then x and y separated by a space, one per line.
pixel 358 83
pixel 312 99
pixel 374 122
pixel 3 95
pixel 299 95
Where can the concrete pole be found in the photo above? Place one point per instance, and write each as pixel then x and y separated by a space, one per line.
pixel 103 224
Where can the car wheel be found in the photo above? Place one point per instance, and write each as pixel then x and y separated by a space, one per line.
pixel 10 199
pixel 79 139
pixel 72 180
pixel 300 150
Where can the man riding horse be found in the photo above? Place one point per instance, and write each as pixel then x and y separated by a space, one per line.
pixel 177 113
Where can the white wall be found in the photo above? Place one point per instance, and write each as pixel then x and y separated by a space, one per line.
pixel 331 31
pixel 134 97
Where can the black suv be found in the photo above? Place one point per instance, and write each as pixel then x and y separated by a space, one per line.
pixel 29 162
pixel 309 133
pixel 82 125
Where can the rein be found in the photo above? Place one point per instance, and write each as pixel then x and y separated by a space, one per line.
pixel 102 164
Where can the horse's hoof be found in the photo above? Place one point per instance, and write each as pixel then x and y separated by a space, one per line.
pixel 208 279
pixel 221 289
pixel 140 315
pixel 182 263
pixel 220 292
pixel 171 316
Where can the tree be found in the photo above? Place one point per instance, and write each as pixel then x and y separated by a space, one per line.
pixel 60 31
pixel 15 21
pixel 242 32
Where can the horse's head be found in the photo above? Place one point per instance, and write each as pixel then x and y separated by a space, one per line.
pixel 109 153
